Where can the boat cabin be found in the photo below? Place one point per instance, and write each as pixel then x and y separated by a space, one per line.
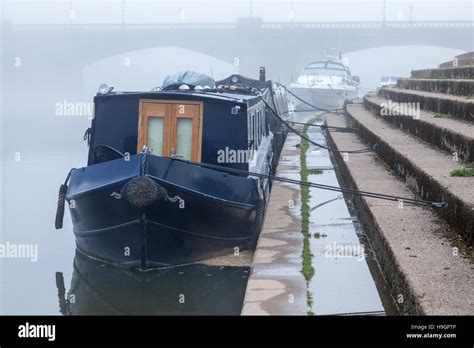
pixel 221 128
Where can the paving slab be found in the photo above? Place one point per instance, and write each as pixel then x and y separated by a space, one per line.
pixel 276 285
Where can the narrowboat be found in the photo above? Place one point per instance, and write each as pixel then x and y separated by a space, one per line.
pixel 158 189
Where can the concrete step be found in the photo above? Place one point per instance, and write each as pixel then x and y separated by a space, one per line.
pixel 447 106
pixel 463 72
pixel 461 60
pixel 422 273
pixel 447 134
pixel 447 86
pixel 424 168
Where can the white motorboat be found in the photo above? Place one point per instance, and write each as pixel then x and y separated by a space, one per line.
pixel 327 84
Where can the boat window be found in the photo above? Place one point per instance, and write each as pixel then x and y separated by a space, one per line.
pixel 251 127
pixel 184 138
pixel 104 153
pixel 316 65
pixel 257 124
pixel 335 66
pixel 155 135
pixel 171 128
pixel 255 129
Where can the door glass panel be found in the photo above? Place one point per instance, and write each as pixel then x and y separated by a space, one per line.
pixel 184 137
pixel 155 135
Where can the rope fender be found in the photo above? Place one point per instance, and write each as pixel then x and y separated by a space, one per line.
pixel 143 191
pixel 62 202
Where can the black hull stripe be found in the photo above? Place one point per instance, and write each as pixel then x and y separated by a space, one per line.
pixel 203 236
pixel 88 233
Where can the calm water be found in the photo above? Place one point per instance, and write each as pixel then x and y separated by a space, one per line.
pixel 37 149
pixel 29 286
pixel 345 279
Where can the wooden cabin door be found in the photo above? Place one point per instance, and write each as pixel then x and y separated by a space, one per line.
pixel 171 128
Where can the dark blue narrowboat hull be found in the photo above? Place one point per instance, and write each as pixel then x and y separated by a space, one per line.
pixel 204 212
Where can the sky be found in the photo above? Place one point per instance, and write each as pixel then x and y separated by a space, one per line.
pixel 173 11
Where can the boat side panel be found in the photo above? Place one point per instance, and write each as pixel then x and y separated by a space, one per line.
pixel 206 217
pixel 119 245
pixel 221 129
pixel 116 124
pixel 97 176
pixel 200 179
pixel 167 246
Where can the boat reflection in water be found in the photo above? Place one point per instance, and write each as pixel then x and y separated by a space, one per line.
pixel 197 289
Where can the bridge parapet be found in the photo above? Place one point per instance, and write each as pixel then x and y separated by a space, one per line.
pixel 236 25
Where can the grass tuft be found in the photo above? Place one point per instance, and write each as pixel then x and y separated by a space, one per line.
pixel 441 115
pixel 307 269
pixel 462 172
pixel 319 235
pixel 315 171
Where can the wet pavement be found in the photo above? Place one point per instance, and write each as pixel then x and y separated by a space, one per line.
pixel 276 285
pixel 342 281
pixel 346 279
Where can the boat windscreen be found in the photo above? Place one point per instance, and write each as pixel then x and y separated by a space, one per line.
pixel 325 71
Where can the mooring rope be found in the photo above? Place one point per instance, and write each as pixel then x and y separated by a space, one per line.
pixel 311 105
pixel 376 195
pixel 324 126
pixel 302 136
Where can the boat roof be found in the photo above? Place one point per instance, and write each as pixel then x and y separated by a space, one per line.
pixel 244 81
pixel 237 97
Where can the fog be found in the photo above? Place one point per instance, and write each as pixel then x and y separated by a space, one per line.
pixel 37 75
pixel 172 11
